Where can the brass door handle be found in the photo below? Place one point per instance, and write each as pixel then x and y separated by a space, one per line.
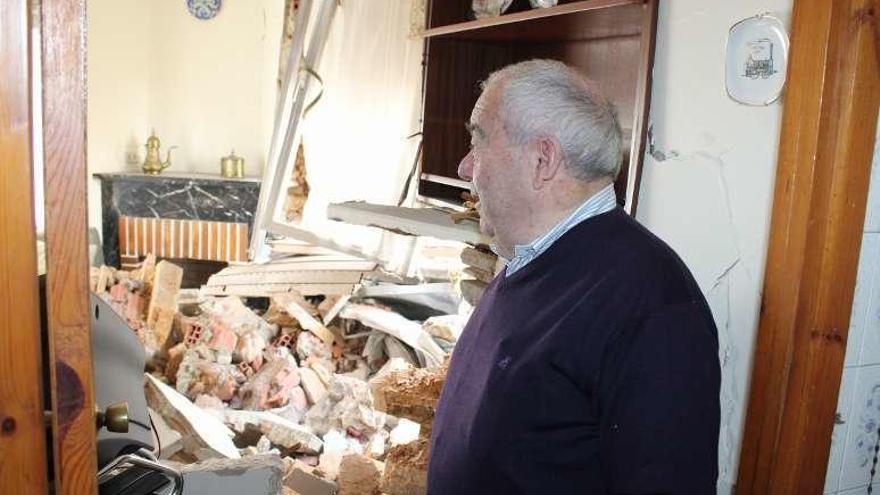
pixel 114 418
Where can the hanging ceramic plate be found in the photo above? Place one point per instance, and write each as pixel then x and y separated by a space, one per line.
pixel 203 9
pixel 756 59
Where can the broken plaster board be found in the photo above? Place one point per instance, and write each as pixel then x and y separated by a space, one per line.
pixel 322 269
pixel 397 326
pixel 288 246
pixel 279 431
pixel 267 290
pixel 315 258
pixel 305 319
pixel 181 413
pixel 335 309
pixel 396 290
pixel 288 277
pixel 414 221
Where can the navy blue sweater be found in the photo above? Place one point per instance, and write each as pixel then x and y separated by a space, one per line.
pixel 592 370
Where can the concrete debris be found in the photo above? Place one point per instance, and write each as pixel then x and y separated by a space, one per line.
pixel 163 299
pixel 295 305
pixel 308 345
pixel 480 259
pixel 447 327
pixel 329 386
pixel 482 276
pixel 279 431
pixel 375 448
pixel 331 306
pixel 406 469
pixel 199 373
pixel 472 291
pixel 314 388
pixel 406 431
pixel 348 406
pixel 272 385
pixel 359 475
pixel 306 483
pixel 383 378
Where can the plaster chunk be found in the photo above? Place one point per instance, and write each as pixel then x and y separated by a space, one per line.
pixel 359 475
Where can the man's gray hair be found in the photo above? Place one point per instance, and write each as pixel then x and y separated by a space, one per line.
pixel 546 98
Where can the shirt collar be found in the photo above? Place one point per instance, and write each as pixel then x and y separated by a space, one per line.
pixel 601 202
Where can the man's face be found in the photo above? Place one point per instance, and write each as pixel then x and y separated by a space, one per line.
pixel 494 169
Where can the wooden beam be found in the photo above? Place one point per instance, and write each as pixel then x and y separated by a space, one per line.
pixel 23 467
pixel 64 140
pixel 828 128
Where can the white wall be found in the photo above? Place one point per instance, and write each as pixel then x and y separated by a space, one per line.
pixel 205 86
pixel 707 188
pixel 118 59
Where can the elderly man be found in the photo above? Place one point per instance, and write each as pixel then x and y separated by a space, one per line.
pixel 590 365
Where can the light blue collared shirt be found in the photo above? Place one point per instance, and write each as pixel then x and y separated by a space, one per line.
pixel 601 202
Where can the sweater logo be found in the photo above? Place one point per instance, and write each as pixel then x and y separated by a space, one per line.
pixel 504 362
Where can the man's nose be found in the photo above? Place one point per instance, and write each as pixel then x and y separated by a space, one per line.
pixel 466 166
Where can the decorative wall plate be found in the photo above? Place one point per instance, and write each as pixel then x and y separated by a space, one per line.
pixel 203 9
pixel 756 60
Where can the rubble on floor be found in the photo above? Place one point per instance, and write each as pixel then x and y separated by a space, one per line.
pixel 332 385
pixel 254 475
pixel 481 266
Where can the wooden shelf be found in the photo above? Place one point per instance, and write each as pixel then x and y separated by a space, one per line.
pixel 610 41
pixel 472 29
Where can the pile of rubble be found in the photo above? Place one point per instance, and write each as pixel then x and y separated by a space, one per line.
pixel 343 391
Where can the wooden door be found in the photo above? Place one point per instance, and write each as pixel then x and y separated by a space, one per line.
pixel 822 177
pixel 24 457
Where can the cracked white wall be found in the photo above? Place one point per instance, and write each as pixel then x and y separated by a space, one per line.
pixel 707 185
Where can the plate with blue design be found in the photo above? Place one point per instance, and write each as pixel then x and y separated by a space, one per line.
pixel 203 9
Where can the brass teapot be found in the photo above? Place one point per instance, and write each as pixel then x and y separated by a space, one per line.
pixel 153 163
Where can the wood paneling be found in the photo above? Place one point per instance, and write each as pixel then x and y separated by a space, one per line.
pixel 827 139
pixel 67 298
pixel 23 464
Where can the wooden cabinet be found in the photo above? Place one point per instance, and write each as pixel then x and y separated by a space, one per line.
pixel 611 41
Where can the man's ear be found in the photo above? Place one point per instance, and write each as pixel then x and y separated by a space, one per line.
pixel 548 160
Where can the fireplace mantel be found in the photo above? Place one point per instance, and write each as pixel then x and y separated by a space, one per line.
pixel 187 197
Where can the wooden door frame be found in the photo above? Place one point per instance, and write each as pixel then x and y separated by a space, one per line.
pixel 67 268
pixel 24 459
pixel 826 145
pixel 23 467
